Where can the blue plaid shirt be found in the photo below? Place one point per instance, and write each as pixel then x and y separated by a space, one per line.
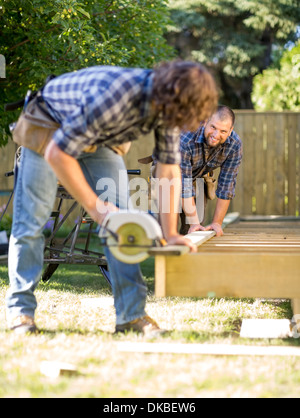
pixel 195 152
pixel 107 106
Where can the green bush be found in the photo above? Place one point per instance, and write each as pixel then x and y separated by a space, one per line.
pixel 42 37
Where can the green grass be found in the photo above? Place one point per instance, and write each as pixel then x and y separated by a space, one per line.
pixel 74 333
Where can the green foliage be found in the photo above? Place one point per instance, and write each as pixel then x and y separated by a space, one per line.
pixel 279 88
pixel 6 221
pixel 42 37
pixel 234 38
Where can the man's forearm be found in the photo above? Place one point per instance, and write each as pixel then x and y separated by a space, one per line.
pixel 221 211
pixel 169 177
pixel 190 210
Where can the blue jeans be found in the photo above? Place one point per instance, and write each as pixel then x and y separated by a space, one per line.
pixel 35 195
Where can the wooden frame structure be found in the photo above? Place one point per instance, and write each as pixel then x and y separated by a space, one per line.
pixel 257 259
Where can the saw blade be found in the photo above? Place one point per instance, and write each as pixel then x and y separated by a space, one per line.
pixel 133 244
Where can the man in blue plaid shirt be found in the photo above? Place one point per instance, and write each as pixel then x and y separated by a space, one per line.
pixel 211 146
pixel 98 108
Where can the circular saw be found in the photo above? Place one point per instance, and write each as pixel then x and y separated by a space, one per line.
pixel 131 235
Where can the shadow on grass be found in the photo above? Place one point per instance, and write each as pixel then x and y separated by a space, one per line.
pixel 82 278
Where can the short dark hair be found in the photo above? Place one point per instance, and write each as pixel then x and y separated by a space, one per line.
pixel 224 113
pixel 185 92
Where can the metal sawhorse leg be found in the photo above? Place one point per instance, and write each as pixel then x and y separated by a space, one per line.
pixel 66 251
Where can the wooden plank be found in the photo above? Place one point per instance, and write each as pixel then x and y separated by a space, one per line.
pixel 270 169
pixel 253 274
pixel 198 238
pixel 237 203
pixel 292 161
pixel 160 276
pixel 260 163
pixel 7 156
pixel 279 123
pixel 230 218
pixel 296 317
pixel 266 328
pixel 241 264
pixel 248 163
pixel 296 306
pixel 168 250
pixel 269 218
pixel 208 349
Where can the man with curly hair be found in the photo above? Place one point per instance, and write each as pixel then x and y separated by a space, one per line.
pixel 97 109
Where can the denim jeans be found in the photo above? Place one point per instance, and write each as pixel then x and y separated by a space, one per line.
pixel 35 194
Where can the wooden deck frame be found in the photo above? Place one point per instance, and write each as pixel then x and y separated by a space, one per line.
pixel 257 260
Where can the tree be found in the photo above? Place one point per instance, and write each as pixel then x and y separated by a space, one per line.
pixel 235 39
pixel 42 37
pixel 279 88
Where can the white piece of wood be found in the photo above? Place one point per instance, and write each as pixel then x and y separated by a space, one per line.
pixel 208 349
pixel 266 328
pixel 230 218
pixel 200 237
pixel 96 303
pixel 55 369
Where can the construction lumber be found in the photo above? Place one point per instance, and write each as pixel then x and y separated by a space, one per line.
pixel 230 218
pixel 198 238
pixel 256 261
pixel 296 306
pixel 208 349
pixel 269 218
pixel 251 274
pixel 266 328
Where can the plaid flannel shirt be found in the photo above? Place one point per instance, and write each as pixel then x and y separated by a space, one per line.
pixel 107 106
pixel 195 152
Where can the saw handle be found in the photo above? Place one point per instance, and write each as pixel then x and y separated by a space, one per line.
pixel 163 242
pixel 134 172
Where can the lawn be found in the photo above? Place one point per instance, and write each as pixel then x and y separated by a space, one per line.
pixel 80 333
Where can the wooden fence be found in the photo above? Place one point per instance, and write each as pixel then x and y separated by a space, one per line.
pixel 7 155
pixel 269 178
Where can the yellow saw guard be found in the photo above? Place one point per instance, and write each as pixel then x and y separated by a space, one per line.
pixel 137 233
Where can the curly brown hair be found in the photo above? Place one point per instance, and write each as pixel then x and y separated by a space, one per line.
pixel 185 92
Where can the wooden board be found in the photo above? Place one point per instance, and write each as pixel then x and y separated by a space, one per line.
pixel 252 259
pixel 208 349
pixel 198 238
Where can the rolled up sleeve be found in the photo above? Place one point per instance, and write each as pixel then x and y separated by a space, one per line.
pixel 167 146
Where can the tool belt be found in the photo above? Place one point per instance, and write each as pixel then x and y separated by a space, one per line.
pixel 35 127
pixel 121 149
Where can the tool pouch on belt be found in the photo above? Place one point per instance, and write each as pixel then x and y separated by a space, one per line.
pixel 121 149
pixel 209 186
pixel 34 128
